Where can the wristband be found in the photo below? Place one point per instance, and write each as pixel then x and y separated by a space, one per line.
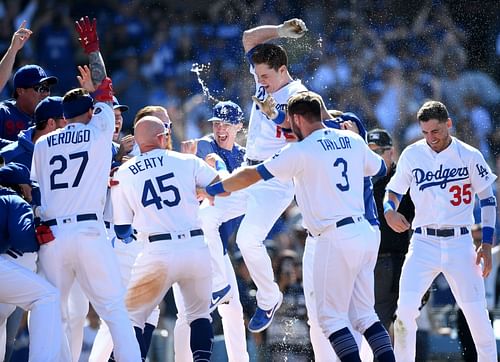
pixel 220 165
pixel 389 205
pixel 280 118
pixel 215 189
pixel 488 232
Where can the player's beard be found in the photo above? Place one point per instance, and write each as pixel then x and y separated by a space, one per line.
pixel 296 130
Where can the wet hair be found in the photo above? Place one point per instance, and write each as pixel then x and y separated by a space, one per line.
pixel 307 104
pixel 272 55
pixel 433 110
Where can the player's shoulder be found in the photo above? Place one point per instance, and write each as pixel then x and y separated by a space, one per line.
pixel 465 147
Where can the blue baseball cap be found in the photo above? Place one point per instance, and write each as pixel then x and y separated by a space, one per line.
pixel 228 112
pixel 50 107
pixel 31 75
pixel 14 173
pixel 117 105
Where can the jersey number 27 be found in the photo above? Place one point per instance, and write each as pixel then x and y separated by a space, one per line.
pixel 151 197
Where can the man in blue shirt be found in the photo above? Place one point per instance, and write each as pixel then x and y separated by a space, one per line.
pixel 31 85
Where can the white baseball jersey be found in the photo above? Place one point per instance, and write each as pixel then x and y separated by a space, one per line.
pixel 60 158
pixel 265 138
pixel 168 179
pixel 442 185
pixel 342 158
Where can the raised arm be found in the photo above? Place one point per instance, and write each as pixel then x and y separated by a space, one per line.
pixel 293 28
pixel 19 38
pixel 87 31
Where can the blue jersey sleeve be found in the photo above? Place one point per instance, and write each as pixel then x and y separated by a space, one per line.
pixel 19 228
pixel 205 147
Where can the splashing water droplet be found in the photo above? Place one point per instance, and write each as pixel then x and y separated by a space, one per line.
pixel 198 69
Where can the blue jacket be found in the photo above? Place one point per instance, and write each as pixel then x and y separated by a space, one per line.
pixel 22 150
pixel 17 229
pixel 12 120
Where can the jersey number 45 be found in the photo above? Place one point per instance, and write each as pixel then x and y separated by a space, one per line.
pixel 151 197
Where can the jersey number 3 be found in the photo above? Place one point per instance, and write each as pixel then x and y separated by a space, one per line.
pixel 461 194
pixel 150 196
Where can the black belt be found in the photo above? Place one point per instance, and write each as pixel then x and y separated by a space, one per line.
pixel 168 236
pixel 442 232
pixel 253 162
pixel 82 217
pixel 343 222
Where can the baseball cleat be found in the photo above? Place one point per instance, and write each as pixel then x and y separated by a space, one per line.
pixel 220 297
pixel 263 318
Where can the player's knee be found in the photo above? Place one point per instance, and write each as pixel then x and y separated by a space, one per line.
pixel 250 236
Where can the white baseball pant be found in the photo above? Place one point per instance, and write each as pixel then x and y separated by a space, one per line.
pixel 81 250
pixel 232 323
pixel 33 293
pixel 28 261
pixel 343 278
pixel 322 348
pixel 126 255
pixel 455 258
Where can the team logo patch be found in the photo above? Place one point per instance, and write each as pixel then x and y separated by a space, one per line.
pixel 97 110
pixel 482 171
pixel 440 177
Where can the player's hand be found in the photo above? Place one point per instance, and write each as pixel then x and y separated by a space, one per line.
pixel 350 126
pixel 85 78
pixel 87 34
pixel 293 28
pixel 189 146
pixel 111 181
pixel 126 145
pixel 396 221
pixel 267 106
pixel 211 158
pixel 20 37
pixel 484 252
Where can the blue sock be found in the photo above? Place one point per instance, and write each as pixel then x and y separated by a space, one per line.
pixel 380 343
pixel 147 335
pixel 138 335
pixel 202 337
pixel 345 346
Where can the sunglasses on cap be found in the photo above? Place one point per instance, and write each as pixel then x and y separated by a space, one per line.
pixel 41 88
pixel 381 150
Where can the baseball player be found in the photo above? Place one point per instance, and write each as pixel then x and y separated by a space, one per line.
pixel 346 245
pixel 266 201
pixel 72 163
pixel 321 345
pixel 444 172
pixel 126 252
pixel 156 192
pixel 221 152
pixel 21 286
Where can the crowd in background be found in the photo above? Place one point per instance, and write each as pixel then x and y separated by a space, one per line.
pixel 380 64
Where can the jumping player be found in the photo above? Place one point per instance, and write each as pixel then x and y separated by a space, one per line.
pixel 443 174
pixel 266 201
pixel 346 248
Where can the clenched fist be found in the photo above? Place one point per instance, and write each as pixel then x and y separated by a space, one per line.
pixel 293 28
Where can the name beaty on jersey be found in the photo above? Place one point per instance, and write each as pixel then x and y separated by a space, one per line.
pixel 69 136
pixel 145 164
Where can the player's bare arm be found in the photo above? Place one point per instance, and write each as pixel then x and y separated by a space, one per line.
pixel 19 38
pixel 293 28
pixel 240 179
pixel 394 219
pixel 483 252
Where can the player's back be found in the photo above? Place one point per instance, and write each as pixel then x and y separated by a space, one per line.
pixel 160 187
pixel 334 166
pixel 72 166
